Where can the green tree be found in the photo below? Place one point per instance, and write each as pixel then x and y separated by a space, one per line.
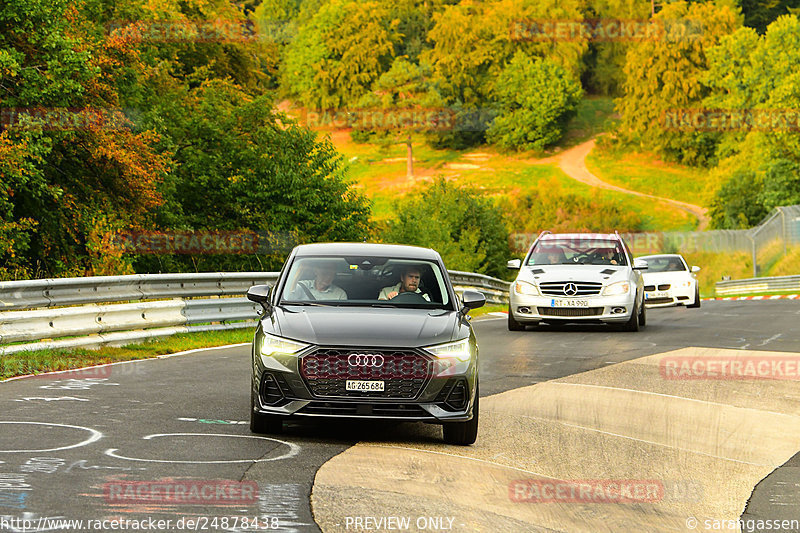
pixel 759 14
pixel 668 74
pixel 65 179
pixel 339 53
pixel 459 223
pixel 536 99
pixel 605 58
pixel 473 43
pixel 400 104
pixel 757 74
pixel 238 166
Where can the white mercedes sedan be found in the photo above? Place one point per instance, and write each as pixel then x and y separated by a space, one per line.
pixel 668 281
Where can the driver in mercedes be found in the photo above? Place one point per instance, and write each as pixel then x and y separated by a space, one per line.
pixel 409 282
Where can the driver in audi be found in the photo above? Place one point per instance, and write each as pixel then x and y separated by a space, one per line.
pixel 409 282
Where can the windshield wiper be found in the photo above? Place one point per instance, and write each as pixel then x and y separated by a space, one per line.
pixel 315 304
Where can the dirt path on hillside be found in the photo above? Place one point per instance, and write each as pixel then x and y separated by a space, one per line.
pixel 573 163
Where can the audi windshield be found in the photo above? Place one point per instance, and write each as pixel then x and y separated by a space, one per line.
pixel 366 281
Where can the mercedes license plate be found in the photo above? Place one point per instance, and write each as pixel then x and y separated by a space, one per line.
pixel 555 302
pixel 365 386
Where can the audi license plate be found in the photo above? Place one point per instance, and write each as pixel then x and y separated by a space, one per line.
pixel 555 302
pixel 365 386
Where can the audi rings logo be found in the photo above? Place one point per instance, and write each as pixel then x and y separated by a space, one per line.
pixel 365 360
pixel 570 289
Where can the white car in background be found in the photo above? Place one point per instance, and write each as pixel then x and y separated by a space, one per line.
pixel 669 281
pixel 577 277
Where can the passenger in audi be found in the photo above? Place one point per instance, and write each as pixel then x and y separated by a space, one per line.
pixel 321 287
pixel 409 282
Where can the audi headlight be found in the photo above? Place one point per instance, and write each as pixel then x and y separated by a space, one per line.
pixel 453 350
pixel 615 289
pixel 272 346
pixel 528 289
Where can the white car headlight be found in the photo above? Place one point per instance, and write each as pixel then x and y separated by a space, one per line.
pixel 272 345
pixel 525 288
pixel 452 350
pixel 615 289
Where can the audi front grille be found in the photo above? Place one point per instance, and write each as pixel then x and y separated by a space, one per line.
pixel 403 372
pixel 570 288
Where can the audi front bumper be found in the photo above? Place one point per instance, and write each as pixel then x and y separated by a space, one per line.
pixel 416 385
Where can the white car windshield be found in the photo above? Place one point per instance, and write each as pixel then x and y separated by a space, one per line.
pixel 367 281
pixel 577 251
pixel 664 263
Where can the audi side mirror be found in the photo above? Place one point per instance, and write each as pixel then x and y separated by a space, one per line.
pixel 473 299
pixel 260 294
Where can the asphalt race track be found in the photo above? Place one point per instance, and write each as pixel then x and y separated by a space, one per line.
pixel 167 439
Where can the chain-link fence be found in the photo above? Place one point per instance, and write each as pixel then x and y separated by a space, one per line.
pixel 770 239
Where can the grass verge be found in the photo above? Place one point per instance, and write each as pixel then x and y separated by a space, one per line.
pixel 645 173
pixel 37 362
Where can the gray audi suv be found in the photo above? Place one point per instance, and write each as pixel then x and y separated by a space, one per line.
pixel 365 331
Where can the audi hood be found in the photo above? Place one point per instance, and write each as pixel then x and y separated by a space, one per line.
pixel 384 327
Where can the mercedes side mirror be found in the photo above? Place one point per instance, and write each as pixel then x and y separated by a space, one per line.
pixel 514 264
pixel 640 264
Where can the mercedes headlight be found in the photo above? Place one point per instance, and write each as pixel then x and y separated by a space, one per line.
pixel 272 346
pixel 525 288
pixel 452 350
pixel 615 289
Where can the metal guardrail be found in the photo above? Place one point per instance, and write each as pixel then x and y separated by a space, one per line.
pixel 61 292
pixel 79 312
pixel 750 285
pixel 496 290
